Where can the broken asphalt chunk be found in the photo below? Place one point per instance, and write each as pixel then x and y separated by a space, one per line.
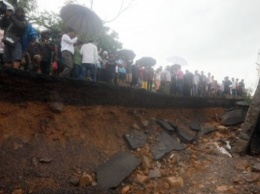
pixel 116 169
pixel 165 125
pixel 195 126
pixel 135 139
pixel 165 144
pixel 186 135
pixel 207 130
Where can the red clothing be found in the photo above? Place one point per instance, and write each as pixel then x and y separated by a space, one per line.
pixel 179 74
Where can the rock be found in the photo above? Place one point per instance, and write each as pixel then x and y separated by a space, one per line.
pixel 56 107
pixel 165 125
pixel 256 167
pixel 222 188
pixel 221 128
pixel 141 178
pixel 35 161
pixel 240 146
pixel 135 126
pixel 18 191
pixel 242 165
pixel 233 117
pixel 243 103
pixel 154 173
pixel 145 123
pixel 244 136
pixel 17 145
pixel 232 190
pixel 126 189
pixel 146 162
pixel 255 177
pixel 116 169
pixel 74 180
pixel 135 139
pixel 195 126
pixel 175 182
pixel 236 179
pixel 45 160
pixel 165 145
pixel 85 180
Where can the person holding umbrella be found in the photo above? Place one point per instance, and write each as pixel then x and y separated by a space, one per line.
pixel 67 51
pixel 14 26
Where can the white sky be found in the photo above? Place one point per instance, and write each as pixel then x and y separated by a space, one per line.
pixel 217 36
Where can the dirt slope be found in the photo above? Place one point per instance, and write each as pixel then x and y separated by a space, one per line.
pixel 54 133
pixel 41 150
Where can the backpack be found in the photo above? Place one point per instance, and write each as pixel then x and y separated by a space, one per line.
pixel 29 33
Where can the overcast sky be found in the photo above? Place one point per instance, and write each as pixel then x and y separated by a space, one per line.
pixel 217 36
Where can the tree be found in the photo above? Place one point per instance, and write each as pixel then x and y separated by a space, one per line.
pixel 28 5
pixel 123 7
pixel 108 40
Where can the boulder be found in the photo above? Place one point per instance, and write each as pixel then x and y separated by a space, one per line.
pixel 233 117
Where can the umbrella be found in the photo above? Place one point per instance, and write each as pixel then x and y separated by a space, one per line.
pixel 147 61
pixel 176 60
pixel 126 53
pixel 81 19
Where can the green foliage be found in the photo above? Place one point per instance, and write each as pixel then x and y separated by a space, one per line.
pixel 108 40
pixel 247 94
pixel 28 5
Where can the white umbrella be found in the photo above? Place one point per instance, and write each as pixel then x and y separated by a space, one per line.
pixel 177 60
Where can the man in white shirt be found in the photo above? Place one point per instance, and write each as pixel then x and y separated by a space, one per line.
pixel 89 54
pixel 165 81
pixel 67 51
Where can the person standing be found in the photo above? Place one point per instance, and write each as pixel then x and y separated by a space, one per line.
pixel 165 81
pixel 47 53
pixel 77 60
pixel 129 74
pixel 179 81
pixel 67 51
pixel 89 54
pixel 195 89
pixel 157 78
pixel 14 26
pixel 34 51
pixel 1 47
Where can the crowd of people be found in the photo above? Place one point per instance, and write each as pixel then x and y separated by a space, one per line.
pixel 172 80
pixel 23 48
